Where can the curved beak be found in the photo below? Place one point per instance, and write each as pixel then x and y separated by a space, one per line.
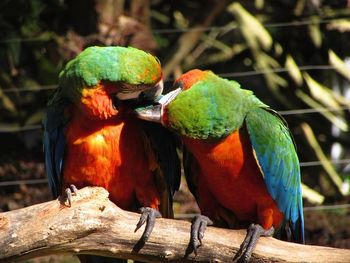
pixel 155 112
pixel 150 113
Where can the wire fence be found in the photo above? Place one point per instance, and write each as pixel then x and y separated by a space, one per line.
pixel 242 74
pixel 229 74
pixel 182 216
pixel 225 75
pixel 305 209
pixel 312 110
pixel 20 129
pixel 194 29
pixel 43 180
pixel 234 27
pixel 20 182
pixel 30 89
pixel 4 129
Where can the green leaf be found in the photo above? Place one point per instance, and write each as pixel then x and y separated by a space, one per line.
pixel 159 16
pixel 6 102
pixel 278 49
pixel 224 56
pixel 311 195
pixel 252 29
pixel 320 92
pixel 293 70
pixel 35 118
pixel 315 32
pixel 327 165
pixel 338 121
pixel 268 63
pixel 339 64
pixel 299 7
pixel 181 20
pixel 342 25
pixel 14 49
pixel 259 4
pixel 30 84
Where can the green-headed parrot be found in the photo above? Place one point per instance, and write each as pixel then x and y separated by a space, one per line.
pixel 240 160
pixel 91 139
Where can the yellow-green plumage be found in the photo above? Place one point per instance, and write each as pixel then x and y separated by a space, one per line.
pixel 212 108
pixel 115 64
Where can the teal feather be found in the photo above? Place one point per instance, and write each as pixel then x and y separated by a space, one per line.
pixel 276 154
pixel 214 107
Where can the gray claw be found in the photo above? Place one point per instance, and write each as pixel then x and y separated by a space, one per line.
pixel 71 190
pixel 254 231
pixel 198 227
pixel 148 216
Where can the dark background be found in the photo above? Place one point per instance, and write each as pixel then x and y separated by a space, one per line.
pixel 293 54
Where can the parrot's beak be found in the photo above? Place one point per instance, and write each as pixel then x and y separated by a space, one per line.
pixel 155 112
pixel 150 113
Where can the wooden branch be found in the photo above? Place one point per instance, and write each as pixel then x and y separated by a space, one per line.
pixel 94 225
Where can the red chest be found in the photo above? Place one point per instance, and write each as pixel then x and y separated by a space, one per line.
pixel 229 170
pixel 107 154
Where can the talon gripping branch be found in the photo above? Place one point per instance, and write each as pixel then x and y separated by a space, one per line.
pixel 239 158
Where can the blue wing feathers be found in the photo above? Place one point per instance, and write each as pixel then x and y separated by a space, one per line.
pixel 54 144
pixel 276 155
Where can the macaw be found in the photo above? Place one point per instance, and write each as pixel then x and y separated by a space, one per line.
pixel 91 139
pixel 239 158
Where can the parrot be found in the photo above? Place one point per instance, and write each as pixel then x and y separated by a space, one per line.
pixel 239 159
pixel 91 139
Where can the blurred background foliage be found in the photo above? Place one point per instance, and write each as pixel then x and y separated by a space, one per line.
pixel 295 55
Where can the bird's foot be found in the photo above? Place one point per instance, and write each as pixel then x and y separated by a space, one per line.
pixel 148 216
pixel 71 190
pixel 199 224
pixel 254 231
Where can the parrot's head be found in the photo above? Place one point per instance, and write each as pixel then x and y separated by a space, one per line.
pixel 202 105
pixel 100 79
pixel 190 78
pixel 159 112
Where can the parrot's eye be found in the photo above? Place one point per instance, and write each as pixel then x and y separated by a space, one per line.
pixel 178 84
pixel 142 96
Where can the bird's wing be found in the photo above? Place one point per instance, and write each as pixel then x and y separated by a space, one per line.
pixel 54 143
pixel 276 155
pixel 191 169
pixel 161 148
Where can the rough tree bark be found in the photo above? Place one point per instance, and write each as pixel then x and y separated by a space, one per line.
pixel 94 225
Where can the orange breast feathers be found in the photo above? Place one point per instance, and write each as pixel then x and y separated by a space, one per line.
pixel 97 102
pixel 109 154
pixel 228 169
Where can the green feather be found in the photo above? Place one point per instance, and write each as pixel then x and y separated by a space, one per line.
pixel 212 108
pixel 115 64
pixel 276 155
